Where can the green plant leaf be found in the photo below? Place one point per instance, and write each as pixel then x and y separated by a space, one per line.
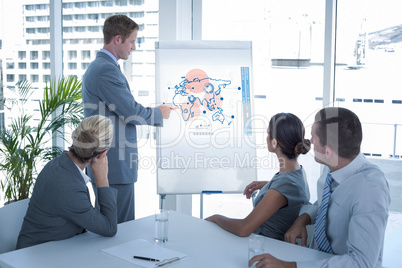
pixel 25 147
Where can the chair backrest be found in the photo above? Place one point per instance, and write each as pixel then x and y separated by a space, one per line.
pixel 11 218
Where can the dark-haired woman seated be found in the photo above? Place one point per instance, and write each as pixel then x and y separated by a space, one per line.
pixel 279 201
pixel 60 206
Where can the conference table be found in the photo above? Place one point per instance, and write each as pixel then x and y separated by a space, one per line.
pixel 203 243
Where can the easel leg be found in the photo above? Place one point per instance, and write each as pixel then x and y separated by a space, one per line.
pixel 201 206
pixel 162 200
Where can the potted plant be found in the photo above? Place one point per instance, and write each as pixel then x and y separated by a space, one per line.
pixel 27 145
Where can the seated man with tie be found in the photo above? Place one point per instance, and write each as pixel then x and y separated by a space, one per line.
pixel 351 212
pixel 60 206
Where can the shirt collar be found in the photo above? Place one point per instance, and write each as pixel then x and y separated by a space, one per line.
pixel 110 55
pixel 347 171
pixel 84 176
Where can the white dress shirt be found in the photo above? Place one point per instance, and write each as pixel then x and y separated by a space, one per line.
pixel 110 55
pixel 357 215
pixel 88 183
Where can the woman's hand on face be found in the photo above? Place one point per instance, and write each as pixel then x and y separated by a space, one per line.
pixel 99 167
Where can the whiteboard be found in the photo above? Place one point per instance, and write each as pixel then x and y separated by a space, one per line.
pixel 207 144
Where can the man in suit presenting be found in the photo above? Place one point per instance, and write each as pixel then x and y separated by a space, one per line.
pixel 105 91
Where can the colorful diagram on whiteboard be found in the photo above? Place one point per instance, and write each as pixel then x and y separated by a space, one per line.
pixel 198 94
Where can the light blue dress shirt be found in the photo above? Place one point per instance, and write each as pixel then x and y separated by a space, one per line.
pixel 357 215
pixel 110 55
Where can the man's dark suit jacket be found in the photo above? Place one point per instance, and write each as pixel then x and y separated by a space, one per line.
pixel 105 91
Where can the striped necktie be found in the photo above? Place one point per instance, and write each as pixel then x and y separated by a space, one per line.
pixel 320 232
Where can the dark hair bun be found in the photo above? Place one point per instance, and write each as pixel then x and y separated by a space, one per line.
pixel 303 147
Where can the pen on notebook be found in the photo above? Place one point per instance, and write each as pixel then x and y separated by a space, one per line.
pixel 144 258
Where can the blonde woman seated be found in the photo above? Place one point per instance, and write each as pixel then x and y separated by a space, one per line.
pixel 279 201
pixel 60 206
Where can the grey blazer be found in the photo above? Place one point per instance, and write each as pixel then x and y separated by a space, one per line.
pixel 105 91
pixel 60 206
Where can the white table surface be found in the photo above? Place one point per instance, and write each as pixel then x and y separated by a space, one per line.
pixel 204 243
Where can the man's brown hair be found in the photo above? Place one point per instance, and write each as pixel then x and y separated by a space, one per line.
pixel 118 25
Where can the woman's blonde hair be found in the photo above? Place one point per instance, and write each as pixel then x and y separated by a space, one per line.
pixel 92 136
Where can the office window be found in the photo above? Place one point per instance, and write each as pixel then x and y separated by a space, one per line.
pixel 107 3
pixel 45 55
pixel 34 65
pixel 140 40
pixel 93 4
pixel 72 54
pixel 121 2
pixel 287 43
pixel 43 30
pixel 94 29
pixel 43 18
pixel 30 7
pixel 22 77
pixel 30 30
pixel 84 65
pixel 288 47
pixel 93 17
pixel 136 14
pixel 34 78
pixel 22 65
pixel 46 65
pixel 67 5
pixel 67 29
pixel 368 81
pixel 22 55
pixel 10 65
pixel 42 7
pixel 136 2
pixel 34 55
pixel 30 19
pixel 80 17
pixel 80 5
pixel 106 15
pixel 80 29
pixel 46 78
pixel 72 66
pixel 85 54
pixel 40 42
pixel 10 78
pixel 67 17
pixel 368 78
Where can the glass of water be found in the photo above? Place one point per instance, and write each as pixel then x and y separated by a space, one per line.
pixel 161 225
pixel 255 246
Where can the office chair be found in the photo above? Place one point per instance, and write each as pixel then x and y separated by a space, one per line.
pixel 11 218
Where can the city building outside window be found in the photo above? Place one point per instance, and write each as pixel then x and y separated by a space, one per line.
pixel 10 78
pixel 34 55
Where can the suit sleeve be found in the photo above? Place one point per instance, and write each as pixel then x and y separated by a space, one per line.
pixel 77 208
pixel 113 90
